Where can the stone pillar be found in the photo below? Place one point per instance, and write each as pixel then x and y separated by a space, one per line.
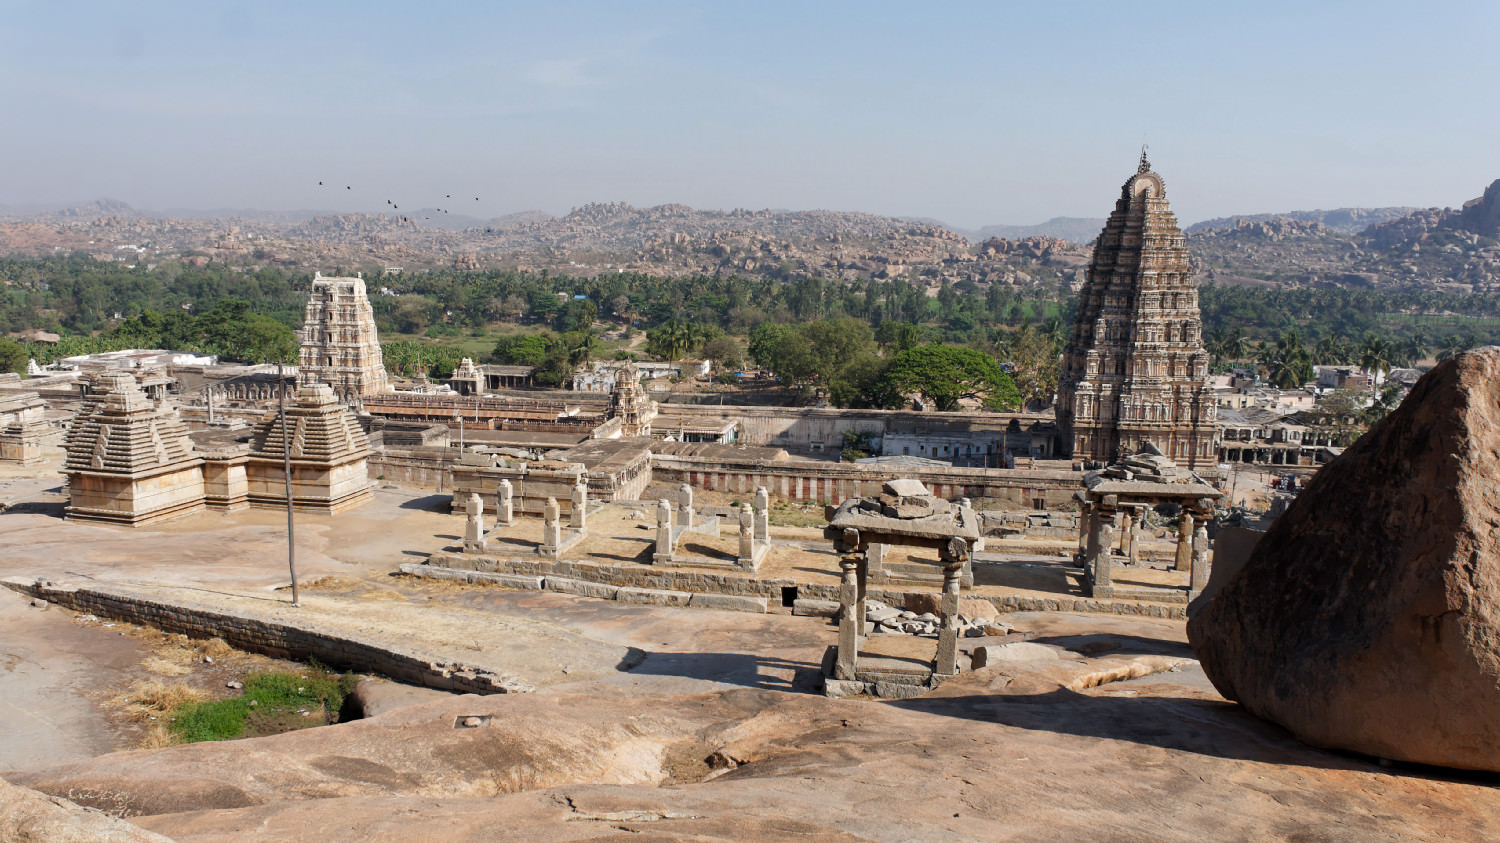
pixel 946 663
pixel 968 516
pixel 578 518
pixel 663 530
pixel 551 528
pixel 747 536
pixel 685 506
pixel 1127 533
pixel 1201 565
pixel 762 515
pixel 1185 541
pixel 505 514
pixel 1085 527
pixel 850 622
pixel 875 562
pixel 1100 573
pixel 474 528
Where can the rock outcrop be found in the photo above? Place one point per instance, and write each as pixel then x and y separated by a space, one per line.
pixel 1368 617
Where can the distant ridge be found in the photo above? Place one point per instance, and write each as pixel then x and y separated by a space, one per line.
pixel 1076 229
pixel 1344 220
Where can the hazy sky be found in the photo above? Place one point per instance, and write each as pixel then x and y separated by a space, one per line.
pixel 971 113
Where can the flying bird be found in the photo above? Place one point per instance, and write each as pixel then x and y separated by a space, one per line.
pixel 347 187
pixel 320 184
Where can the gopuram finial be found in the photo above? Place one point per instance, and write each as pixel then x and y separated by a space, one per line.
pixel 1145 163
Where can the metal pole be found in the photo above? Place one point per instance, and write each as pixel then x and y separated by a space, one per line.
pixel 286 467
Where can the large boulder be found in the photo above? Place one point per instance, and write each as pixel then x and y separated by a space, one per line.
pixel 1368 617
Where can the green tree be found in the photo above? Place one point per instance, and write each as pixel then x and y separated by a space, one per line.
pixel 12 356
pixel 522 349
pixel 946 374
pixel 1375 358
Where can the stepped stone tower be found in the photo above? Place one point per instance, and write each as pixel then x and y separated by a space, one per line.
pixel 23 428
pixel 629 403
pixel 340 346
pixel 328 455
pixel 129 459
pixel 1135 371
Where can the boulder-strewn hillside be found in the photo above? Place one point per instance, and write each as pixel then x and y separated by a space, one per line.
pixel 1426 248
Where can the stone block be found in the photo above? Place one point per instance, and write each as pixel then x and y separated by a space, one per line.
pixel 922 602
pixel 845 688
pixel 806 607
pixel 514 581
pixel 652 596
pixel 729 602
pixel 890 690
pixel 582 588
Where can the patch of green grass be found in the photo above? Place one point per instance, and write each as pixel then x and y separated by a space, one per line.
pixel 271 702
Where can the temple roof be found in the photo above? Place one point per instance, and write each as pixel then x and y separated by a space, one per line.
pixel 321 429
pixel 121 431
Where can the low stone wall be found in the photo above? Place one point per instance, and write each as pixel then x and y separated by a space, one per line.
pixel 412 468
pixel 538 573
pixel 832 482
pixel 275 638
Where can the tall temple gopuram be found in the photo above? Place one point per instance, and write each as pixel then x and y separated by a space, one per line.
pixel 1135 371
pixel 339 344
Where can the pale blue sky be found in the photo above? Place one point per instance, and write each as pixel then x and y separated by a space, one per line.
pixel 971 113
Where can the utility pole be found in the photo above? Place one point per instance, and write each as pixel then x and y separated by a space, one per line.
pixel 286 467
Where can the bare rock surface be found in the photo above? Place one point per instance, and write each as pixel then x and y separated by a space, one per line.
pixel 26 815
pixel 1119 733
pixel 1368 616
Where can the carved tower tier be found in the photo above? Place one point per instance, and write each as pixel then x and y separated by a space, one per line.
pixel 339 344
pixel 1135 371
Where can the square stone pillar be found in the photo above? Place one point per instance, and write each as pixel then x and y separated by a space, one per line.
pixel 505 513
pixel 578 518
pixel 664 542
pixel 946 663
pixel 474 527
pixel 551 528
pixel 762 515
pixel 875 561
pixel 747 536
pixel 1100 574
pixel 1127 534
pixel 850 620
pixel 1184 560
pixel 1085 527
pixel 1198 579
pixel 685 511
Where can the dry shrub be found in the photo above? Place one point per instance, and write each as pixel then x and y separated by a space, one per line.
pixel 215 648
pixel 158 735
pixel 166 666
pixel 155 697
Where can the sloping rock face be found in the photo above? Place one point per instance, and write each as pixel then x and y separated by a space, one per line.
pixel 1368 617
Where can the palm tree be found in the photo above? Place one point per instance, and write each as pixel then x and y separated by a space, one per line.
pixel 1375 358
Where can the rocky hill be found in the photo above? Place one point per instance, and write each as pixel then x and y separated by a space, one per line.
pixel 1438 248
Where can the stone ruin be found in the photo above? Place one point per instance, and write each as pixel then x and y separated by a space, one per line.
pixel 1113 508
pixel 129 459
pixel 754 522
pixel 23 428
pixel 903 514
pixel 556 539
pixel 329 454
